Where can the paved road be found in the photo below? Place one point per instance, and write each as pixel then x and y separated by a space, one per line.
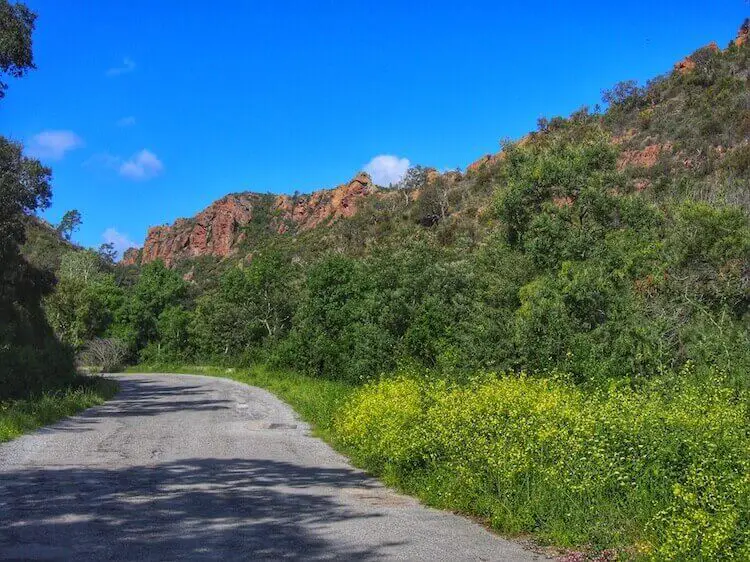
pixel 180 467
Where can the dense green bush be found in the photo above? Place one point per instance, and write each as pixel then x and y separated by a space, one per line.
pixel 251 306
pixel 31 358
pixel 666 469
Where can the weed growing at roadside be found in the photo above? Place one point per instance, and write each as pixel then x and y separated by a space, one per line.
pixel 21 416
pixel 666 468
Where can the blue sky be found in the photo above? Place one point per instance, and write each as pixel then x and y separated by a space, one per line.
pixel 148 111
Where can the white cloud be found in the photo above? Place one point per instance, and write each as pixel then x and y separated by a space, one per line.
pixel 386 169
pixel 142 165
pixel 128 121
pixel 119 241
pixel 127 66
pixel 53 144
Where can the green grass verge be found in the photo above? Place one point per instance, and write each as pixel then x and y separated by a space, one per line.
pixel 315 399
pixel 21 416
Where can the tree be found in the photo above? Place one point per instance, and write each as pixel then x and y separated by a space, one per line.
pixel 330 305
pixel 625 93
pixel 432 205
pixel 69 223
pixel 250 305
pixel 157 288
pixel 414 179
pixel 16 28
pixel 24 188
pixel 107 253
pixel 30 356
pixel 85 300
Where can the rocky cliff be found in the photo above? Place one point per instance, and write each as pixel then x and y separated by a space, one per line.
pixel 219 229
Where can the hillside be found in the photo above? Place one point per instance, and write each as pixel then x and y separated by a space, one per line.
pixel 44 247
pixel 221 228
pixel 684 134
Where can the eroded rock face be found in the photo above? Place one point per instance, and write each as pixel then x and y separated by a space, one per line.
pixel 309 211
pixel 217 230
pixel 743 34
pixel 212 232
pixel 645 158
pixel 132 256
pixel 685 65
pixel 487 159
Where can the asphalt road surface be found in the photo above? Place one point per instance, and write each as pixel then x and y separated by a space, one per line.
pixel 182 467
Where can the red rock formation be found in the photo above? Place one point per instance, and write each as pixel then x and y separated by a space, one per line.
pixel 474 166
pixel 132 256
pixel 743 34
pixel 688 64
pixel 322 206
pixel 217 230
pixel 685 65
pixel 212 232
pixel 645 158
pixel 488 159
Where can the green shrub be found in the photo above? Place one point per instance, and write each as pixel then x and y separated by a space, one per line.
pixel 665 470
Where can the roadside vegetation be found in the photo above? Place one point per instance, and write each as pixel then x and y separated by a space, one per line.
pixel 556 340
pixel 38 380
pixel 663 472
pixel 22 415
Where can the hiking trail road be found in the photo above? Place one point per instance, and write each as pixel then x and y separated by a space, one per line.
pixel 187 467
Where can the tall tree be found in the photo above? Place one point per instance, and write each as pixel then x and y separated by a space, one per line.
pixel 69 223
pixel 30 356
pixel 16 28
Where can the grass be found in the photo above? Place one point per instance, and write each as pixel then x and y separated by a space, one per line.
pixel 23 415
pixel 315 399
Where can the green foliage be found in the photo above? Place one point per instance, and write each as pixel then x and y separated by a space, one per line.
pixel 564 177
pixel 85 299
pixel 16 28
pixel 30 356
pixel 623 95
pixel 664 469
pixel 157 289
pixel 251 306
pixel 23 415
pixel 358 318
pixel 43 247
pixel 329 318
pixel 70 222
pixel 710 235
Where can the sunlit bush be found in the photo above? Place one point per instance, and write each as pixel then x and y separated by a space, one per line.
pixel 665 470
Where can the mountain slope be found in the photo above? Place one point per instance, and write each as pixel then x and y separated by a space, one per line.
pixel 684 134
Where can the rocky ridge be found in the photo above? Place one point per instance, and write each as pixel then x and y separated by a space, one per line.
pixel 220 228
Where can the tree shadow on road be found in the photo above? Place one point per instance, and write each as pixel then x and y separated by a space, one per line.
pixel 140 397
pixel 195 509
